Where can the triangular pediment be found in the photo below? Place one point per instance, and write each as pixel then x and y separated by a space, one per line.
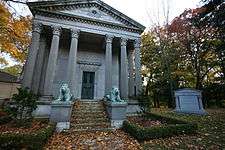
pixel 95 10
pixel 92 13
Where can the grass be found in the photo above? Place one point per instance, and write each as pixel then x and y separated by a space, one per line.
pixel 211 133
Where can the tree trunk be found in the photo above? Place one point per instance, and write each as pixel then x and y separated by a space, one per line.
pixel 147 87
pixel 223 71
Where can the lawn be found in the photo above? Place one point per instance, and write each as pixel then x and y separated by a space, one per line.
pixel 211 134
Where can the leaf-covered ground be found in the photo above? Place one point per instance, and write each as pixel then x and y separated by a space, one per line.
pixel 116 140
pixel 11 128
pixel 211 134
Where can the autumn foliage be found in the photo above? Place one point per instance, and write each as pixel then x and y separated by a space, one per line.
pixel 14 34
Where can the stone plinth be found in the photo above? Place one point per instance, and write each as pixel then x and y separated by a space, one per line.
pixel 189 101
pixel 60 112
pixel 116 113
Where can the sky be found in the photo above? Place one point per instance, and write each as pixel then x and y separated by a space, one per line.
pixel 146 12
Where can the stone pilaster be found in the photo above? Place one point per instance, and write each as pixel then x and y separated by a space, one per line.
pixel 131 72
pixel 72 62
pixel 138 80
pixel 108 64
pixel 52 60
pixel 32 56
pixel 123 69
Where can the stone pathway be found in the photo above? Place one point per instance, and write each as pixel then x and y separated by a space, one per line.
pixel 111 140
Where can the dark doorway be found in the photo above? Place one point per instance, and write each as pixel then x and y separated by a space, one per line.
pixel 88 84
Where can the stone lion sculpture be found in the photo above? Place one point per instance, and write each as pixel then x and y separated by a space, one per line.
pixel 64 93
pixel 114 95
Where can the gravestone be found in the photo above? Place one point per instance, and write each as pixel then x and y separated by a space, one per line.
pixel 189 101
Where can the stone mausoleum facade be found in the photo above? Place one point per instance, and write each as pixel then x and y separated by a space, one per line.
pixel 85 43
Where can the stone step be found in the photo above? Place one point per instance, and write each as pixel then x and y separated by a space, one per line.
pixel 89 107
pixel 89 116
pixel 89 120
pixel 97 103
pixel 90 125
pixel 92 130
pixel 88 111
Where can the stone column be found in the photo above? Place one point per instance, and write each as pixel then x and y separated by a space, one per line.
pixel 52 60
pixel 138 80
pixel 108 64
pixel 38 66
pixel 131 72
pixel 32 56
pixel 123 69
pixel 72 62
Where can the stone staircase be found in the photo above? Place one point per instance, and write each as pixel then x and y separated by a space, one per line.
pixel 89 116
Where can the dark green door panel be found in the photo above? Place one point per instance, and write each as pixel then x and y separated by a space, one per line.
pixel 88 85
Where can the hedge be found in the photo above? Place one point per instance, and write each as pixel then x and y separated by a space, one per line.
pixel 5 119
pixel 168 130
pixel 31 141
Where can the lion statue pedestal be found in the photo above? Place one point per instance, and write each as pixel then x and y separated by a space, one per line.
pixel 116 108
pixel 61 109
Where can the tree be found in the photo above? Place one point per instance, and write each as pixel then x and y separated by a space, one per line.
pixel 13 70
pixel 213 15
pixel 194 39
pixel 14 34
pixel 158 53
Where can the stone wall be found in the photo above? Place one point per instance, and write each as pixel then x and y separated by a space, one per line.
pixel 8 89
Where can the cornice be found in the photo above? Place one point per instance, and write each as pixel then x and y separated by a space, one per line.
pixel 86 20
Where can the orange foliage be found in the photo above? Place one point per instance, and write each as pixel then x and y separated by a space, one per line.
pixel 14 34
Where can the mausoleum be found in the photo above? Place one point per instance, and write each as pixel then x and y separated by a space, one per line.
pixel 85 43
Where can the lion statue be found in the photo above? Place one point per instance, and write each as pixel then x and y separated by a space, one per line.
pixel 114 95
pixel 64 93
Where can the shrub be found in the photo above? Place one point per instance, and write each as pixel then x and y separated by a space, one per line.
pixel 33 141
pixel 4 119
pixel 24 103
pixel 214 95
pixel 145 102
pixel 174 127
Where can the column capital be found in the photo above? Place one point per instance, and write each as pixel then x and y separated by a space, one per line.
pixel 37 27
pixel 109 38
pixel 137 43
pixel 74 33
pixel 123 41
pixel 56 30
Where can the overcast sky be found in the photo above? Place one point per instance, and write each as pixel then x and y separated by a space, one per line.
pixel 146 12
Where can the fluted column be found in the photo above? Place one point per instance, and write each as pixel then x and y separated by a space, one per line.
pixel 131 72
pixel 138 80
pixel 123 69
pixel 108 64
pixel 52 60
pixel 72 62
pixel 32 56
